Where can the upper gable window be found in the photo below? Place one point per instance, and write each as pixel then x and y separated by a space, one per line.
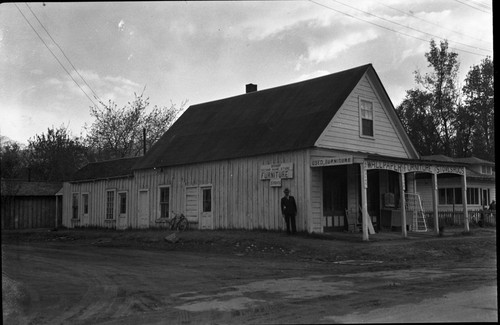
pixel 366 118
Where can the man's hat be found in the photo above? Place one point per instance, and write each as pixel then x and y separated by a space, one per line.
pixel 286 190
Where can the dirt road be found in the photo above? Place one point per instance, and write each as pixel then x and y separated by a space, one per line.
pixel 230 279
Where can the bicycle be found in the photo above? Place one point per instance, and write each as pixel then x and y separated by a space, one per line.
pixel 178 222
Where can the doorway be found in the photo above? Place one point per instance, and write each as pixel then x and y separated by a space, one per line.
pixel 334 198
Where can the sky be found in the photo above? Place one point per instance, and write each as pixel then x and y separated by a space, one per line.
pixel 57 60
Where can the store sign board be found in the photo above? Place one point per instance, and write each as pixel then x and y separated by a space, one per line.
pixel 331 161
pixel 276 171
pixel 408 168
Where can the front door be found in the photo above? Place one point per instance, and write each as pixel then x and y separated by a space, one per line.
pixel 143 219
pixel 206 218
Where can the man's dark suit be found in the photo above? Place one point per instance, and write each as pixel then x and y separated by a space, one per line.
pixel 289 210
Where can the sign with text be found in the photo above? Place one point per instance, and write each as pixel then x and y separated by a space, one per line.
pixel 331 161
pixel 407 168
pixel 275 182
pixel 276 171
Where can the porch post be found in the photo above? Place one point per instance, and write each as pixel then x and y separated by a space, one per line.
pixel 402 204
pixel 435 202
pixel 464 202
pixel 364 207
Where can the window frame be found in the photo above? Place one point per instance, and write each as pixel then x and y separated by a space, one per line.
pixel 119 202
pixel 113 205
pixel 361 109
pixel 75 209
pixel 85 205
pixel 161 203
pixel 204 200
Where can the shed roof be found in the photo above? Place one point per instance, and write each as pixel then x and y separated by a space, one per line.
pixel 285 118
pixel 106 169
pixel 25 188
pixel 467 160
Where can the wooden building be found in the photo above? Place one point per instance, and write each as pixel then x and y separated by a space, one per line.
pixel 334 141
pixel 28 205
pixel 481 190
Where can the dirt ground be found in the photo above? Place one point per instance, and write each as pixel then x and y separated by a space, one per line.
pixel 248 277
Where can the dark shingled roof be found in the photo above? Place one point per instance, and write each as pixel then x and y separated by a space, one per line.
pixel 106 169
pixel 285 118
pixel 24 188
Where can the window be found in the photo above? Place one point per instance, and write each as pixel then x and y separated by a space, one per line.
pixel 74 206
pixel 366 115
pixel 472 196
pixel 450 195
pixel 85 202
pixel 164 202
pixel 207 200
pixel 110 204
pixel 122 197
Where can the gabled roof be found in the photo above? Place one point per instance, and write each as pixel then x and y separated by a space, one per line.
pixel 106 169
pixel 285 118
pixel 25 188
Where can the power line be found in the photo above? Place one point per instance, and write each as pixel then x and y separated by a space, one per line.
pixel 430 22
pixel 387 28
pixel 64 54
pixel 479 9
pixel 409 27
pixel 60 63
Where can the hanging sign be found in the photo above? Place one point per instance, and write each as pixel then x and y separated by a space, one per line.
pixel 276 171
pixel 275 182
pixel 331 161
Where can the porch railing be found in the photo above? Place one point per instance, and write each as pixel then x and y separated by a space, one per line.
pixel 456 218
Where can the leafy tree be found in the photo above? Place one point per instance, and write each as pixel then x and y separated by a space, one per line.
pixel 441 84
pixel 13 160
pixel 479 103
pixel 118 132
pixel 416 115
pixel 55 156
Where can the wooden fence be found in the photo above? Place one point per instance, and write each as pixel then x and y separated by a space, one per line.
pixel 456 218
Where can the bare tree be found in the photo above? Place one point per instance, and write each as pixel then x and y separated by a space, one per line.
pixel 117 132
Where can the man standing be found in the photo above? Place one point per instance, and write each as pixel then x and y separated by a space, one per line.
pixel 289 211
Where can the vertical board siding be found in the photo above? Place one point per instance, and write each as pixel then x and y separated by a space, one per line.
pixel 28 212
pixel 239 198
pixel 343 131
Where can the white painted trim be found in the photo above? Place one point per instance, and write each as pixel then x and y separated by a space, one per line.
pixel 114 204
pixel 158 210
pixel 361 135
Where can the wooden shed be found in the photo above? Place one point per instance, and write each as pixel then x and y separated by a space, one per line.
pixel 334 141
pixel 28 205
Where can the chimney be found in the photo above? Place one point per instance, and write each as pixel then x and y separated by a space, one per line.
pixel 251 88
